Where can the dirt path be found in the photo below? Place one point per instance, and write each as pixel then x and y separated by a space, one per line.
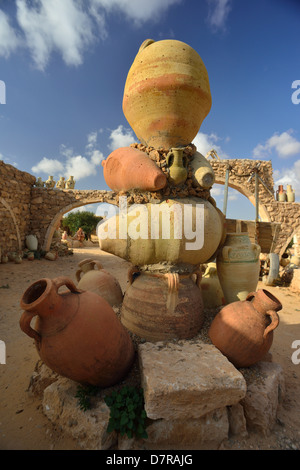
pixel 23 425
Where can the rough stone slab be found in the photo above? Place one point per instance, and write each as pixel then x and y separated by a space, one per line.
pixel 205 433
pixel 237 421
pixel 88 428
pixel 265 390
pixel 187 380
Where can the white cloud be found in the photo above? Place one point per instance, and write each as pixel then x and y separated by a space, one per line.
pixel 140 11
pixel 121 137
pixel 76 165
pixel 70 27
pixel 9 40
pixel 205 143
pixel 53 25
pixel 48 166
pixel 285 145
pixel 218 13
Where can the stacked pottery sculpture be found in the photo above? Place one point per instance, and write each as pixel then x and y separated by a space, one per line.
pixel 171 224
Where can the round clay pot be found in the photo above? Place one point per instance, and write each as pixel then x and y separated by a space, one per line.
pixel 77 333
pixel 129 168
pixel 92 277
pixel 31 242
pixel 158 241
pixel 243 330
pixel 166 94
pixel 160 307
pixel 238 266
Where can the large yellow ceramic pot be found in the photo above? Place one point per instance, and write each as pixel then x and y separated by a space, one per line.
pixel 167 94
pixel 176 231
pixel 238 266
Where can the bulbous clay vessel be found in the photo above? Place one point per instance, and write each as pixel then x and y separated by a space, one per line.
pixel 129 168
pixel 243 330
pixel 203 172
pixel 212 293
pixel 31 242
pixel 92 277
pixel 166 94
pixel 159 307
pixel 177 166
pixel 175 231
pixel 77 333
pixel 238 266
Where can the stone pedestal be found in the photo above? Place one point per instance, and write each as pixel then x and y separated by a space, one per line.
pixel 194 399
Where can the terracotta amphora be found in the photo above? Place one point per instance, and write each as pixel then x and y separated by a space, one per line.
pixel 160 307
pixel 166 94
pixel 129 168
pixel 290 193
pixel 77 333
pixel 92 277
pixel 243 330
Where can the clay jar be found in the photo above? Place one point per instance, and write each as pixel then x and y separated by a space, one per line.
pixel 243 330
pixel 77 333
pixel 166 94
pixel 129 168
pixel 212 293
pixel 238 266
pixel 160 307
pixel 161 232
pixel 92 277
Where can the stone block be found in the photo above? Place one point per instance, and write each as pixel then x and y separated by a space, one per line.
pixel 295 283
pixel 237 421
pixel 187 379
pixel 205 433
pixel 88 427
pixel 265 390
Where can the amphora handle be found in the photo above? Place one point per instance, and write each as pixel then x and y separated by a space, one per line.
pixel 25 321
pixel 27 316
pixel 274 322
pixel 93 264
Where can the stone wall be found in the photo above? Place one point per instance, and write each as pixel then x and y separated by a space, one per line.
pixel 15 199
pixel 26 209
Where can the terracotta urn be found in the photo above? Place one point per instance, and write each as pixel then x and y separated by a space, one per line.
pixel 281 194
pixel 212 293
pixel 129 168
pixel 203 173
pixel 243 330
pixel 70 183
pixel 92 277
pixel 238 266
pixel 163 306
pixel 177 166
pixel 176 231
pixel 290 193
pixel 167 94
pixel 31 242
pixel 77 334
pixel 61 183
pixel 50 183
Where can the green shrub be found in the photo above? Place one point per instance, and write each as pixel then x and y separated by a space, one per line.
pixel 127 413
pixel 84 394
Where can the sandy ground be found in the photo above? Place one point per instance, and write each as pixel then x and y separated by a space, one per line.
pixel 23 426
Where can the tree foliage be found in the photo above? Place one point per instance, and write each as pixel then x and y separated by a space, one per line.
pixel 86 220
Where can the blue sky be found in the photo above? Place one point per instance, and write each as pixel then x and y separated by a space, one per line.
pixel 64 64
